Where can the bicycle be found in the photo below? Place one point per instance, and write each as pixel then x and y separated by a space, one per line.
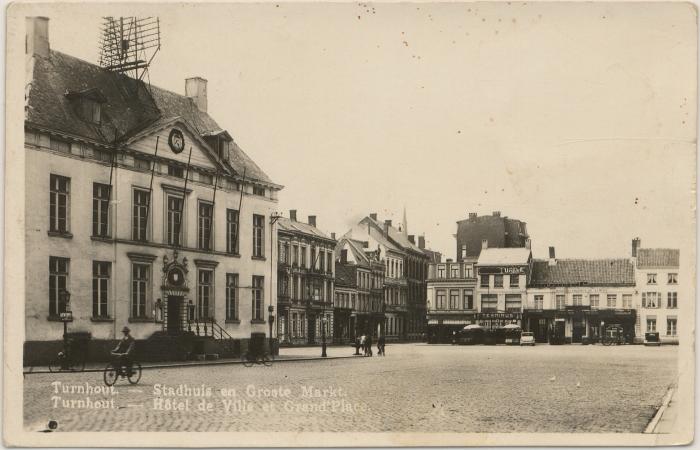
pixel 249 358
pixel 116 369
pixel 66 361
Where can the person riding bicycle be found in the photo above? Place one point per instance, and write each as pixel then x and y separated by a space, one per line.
pixel 124 350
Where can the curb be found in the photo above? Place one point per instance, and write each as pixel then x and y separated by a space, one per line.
pixel 651 427
pixel 193 364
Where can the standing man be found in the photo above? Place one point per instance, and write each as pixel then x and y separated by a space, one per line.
pixel 381 342
pixel 125 349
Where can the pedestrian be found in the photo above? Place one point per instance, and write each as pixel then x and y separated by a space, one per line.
pixel 368 343
pixel 363 340
pixel 357 345
pixel 381 343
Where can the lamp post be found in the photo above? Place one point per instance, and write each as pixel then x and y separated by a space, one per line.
pixel 271 320
pixel 66 316
pixel 274 217
pixel 324 320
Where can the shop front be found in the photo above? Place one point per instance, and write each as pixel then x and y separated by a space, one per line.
pixel 576 323
pixel 442 328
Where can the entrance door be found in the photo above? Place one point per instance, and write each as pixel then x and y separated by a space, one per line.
pixel 578 330
pixel 312 329
pixel 174 314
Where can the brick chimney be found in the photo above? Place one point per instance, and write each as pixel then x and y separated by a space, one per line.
pixel 552 257
pixel 312 221
pixel 496 214
pixel 472 217
pixel 636 245
pixel 293 215
pixel 484 243
pixel 421 242
pixel 333 236
pixel 37 37
pixel 387 224
pixel 196 89
pixel 373 216
pixel 412 239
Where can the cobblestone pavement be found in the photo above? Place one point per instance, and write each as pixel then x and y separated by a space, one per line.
pixel 417 387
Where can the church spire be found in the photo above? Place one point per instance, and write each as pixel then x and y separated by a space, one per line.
pixel 405 223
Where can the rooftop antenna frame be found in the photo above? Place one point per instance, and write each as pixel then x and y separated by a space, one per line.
pixel 129 44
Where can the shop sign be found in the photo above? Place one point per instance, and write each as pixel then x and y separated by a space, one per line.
pixel 502 270
pixel 498 316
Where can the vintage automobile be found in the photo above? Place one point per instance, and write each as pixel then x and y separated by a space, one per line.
pixel 511 334
pixel 527 338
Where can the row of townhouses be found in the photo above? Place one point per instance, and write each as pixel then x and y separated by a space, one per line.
pixel 495 286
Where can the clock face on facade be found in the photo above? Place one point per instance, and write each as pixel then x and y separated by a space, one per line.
pixel 176 140
pixel 176 277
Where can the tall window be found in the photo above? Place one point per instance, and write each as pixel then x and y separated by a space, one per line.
pixel 139 289
pixel 258 283
pixel 578 299
pixel 651 299
pixel 454 299
pixel 671 326
pixel 100 209
pixel 232 296
pixel 295 255
pixel 468 271
pixel 484 281
pixel 468 299
pixel 489 302
pixel 100 288
pixel 560 301
pixel 322 261
pixel 139 221
pixel 206 211
pixel 59 203
pixel 302 250
pixel 440 299
pixel 329 261
pixel 232 231
pixel 627 301
pixel 672 278
pixel 651 324
pixel 58 281
pixel 672 300
pixel 612 301
pixel 514 280
pixel 498 281
pixel 539 301
pixel 313 258
pixel 651 278
pixel 454 272
pixel 204 293
pixel 595 300
pixel 441 272
pixel 258 235
pixel 513 302
pixel 174 220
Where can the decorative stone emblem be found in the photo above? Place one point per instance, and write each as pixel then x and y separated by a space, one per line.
pixel 174 272
pixel 176 140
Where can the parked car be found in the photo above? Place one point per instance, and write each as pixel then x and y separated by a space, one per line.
pixel 527 338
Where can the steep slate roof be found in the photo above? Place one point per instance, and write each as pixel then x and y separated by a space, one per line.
pixel 131 106
pixel 504 256
pixel 398 238
pixel 293 226
pixel 356 248
pixel 345 275
pixel 648 258
pixel 575 272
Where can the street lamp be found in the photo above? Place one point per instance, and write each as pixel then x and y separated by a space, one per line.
pixel 271 319
pixel 66 316
pixel 324 320
pixel 274 217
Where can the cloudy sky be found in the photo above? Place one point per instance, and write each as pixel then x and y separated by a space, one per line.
pixel 576 118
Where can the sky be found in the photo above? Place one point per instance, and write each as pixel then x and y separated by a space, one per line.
pixel 577 118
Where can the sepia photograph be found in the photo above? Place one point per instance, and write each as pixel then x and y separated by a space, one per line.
pixel 350 224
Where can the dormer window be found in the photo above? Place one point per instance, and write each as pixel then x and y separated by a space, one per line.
pixel 91 111
pixel 88 104
pixel 220 141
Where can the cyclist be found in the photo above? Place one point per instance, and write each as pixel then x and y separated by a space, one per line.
pixel 124 350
